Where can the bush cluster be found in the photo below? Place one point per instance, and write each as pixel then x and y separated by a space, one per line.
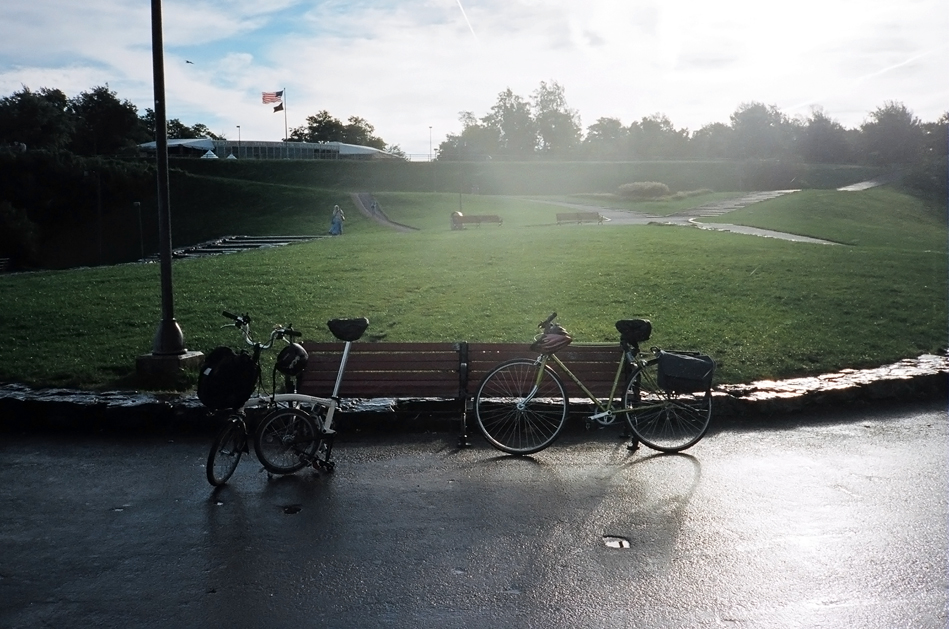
pixel 644 190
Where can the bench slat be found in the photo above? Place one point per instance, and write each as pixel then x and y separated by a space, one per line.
pixel 416 370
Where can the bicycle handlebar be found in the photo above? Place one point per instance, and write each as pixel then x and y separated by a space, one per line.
pixel 242 322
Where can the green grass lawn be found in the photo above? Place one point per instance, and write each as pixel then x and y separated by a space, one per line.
pixel 764 308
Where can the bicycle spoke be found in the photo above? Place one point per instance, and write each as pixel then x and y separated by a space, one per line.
pixel 514 416
pixel 665 421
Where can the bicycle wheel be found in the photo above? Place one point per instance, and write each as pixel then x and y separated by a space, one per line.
pixel 665 421
pixel 286 440
pixel 229 444
pixel 513 419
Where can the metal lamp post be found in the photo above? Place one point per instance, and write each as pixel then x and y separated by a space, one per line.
pixel 168 348
pixel 238 141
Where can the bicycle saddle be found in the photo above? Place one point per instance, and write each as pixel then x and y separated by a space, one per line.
pixel 348 329
pixel 634 330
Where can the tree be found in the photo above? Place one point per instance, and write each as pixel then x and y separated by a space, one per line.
pixel 892 136
pixel 322 127
pixel 40 119
pixel 19 236
pixel 359 131
pixel 396 151
pixel 760 131
pixel 606 138
pixel 558 126
pixel 711 141
pixel 476 142
pixel 176 129
pixel 936 137
pixel 928 173
pixel 104 124
pixel 823 140
pixel 511 117
pixel 199 130
pixel 654 137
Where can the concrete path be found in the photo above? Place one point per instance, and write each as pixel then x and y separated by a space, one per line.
pixel 692 217
pixel 831 521
pixel 370 208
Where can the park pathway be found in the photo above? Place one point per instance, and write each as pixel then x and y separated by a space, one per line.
pixel 370 208
pixel 692 216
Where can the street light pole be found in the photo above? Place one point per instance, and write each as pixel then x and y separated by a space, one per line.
pixel 429 142
pixel 238 141
pixel 169 340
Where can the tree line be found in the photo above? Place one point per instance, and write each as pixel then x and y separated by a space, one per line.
pixel 545 127
pixel 97 122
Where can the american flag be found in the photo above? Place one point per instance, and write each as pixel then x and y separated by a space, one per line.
pixel 272 97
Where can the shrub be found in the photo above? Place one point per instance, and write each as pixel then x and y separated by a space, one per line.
pixel 644 190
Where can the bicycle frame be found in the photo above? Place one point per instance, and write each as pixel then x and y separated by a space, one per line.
pixel 330 404
pixel 628 357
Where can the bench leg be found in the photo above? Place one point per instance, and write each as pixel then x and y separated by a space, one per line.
pixel 463 437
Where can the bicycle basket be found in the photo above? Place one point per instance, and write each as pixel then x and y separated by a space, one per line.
pixel 227 380
pixel 685 372
pixel 634 331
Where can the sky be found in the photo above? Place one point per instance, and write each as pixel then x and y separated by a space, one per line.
pixel 410 67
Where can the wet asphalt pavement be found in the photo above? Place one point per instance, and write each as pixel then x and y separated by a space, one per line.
pixel 819 520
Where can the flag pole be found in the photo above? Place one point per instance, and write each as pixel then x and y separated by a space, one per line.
pixel 285 131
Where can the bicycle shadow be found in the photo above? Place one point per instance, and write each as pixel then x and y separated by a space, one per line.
pixel 647 520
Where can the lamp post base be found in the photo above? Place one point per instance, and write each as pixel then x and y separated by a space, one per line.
pixel 163 366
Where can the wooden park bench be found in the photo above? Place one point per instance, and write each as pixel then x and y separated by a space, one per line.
pixel 459 220
pixel 442 372
pixel 579 217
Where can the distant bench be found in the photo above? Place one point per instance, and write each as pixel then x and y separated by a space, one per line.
pixel 459 220
pixel 579 217
pixel 441 371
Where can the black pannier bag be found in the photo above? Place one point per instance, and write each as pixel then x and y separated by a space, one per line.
pixel 685 372
pixel 227 380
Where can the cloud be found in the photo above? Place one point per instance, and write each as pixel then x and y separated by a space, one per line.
pixel 407 65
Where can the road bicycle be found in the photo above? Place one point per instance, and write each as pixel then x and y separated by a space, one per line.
pixel 293 430
pixel 521 405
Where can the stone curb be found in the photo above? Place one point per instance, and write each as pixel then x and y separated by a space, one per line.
pixel 925 379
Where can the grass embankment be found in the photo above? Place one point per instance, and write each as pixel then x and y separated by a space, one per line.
pixel 764 308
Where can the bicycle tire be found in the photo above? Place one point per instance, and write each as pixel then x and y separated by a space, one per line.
pixel 286 440
pixel 665 421
pixel 509 424
pixel 226 451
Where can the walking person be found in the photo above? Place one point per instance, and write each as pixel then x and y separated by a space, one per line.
pixel 336 222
